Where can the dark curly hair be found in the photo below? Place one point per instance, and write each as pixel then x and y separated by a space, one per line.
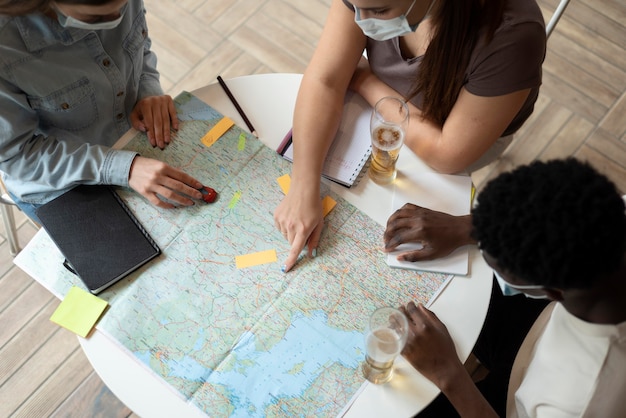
pixel 558 223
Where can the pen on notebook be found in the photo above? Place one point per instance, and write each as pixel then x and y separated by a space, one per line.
pixel 239 109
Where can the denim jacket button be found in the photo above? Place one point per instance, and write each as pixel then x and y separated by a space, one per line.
pixel 106 62
pixel 65 106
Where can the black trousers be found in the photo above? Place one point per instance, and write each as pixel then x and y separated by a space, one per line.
pixel 509 318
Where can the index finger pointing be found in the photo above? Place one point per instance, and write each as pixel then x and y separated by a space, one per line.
pixel 296 248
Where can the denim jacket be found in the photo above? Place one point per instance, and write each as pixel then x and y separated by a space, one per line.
pixel 66 96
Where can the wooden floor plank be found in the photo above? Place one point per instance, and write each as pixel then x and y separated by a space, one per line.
pixel 237 14
pixel 300 21
pixel 12 283
pixel 187 24
pixel 92 399
pixel 569 96
pixel 608 145
pixel 577 56
pixel 172 40
pixel 25 307
pixel 66 378
pixel 596 21
pixel 569 139
pixel 263 48
pixel 26 342
pixel 593 42
pixel 24 383
pixel 588 84
pixel 276 33
pixel 613 9
pixel 614 121
pixel 209 68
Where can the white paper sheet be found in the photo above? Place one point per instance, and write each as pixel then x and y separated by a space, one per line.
pixel 444 193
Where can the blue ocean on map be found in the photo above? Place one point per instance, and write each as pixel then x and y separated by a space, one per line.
pixel 259 378
pixel 287 370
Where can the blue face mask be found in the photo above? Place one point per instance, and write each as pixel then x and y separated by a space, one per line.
pixel 510 290
pixel 385 29
pixel 70 22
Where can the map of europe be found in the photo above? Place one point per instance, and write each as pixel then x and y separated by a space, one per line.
pixel 248 342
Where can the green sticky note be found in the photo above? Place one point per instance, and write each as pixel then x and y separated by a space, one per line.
pixel 235 199
pixel 242 142
pixel 79 311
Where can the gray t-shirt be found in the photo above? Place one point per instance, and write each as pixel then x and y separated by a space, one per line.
pixel 510 62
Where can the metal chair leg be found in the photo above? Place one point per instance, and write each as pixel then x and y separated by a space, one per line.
pixel 11 230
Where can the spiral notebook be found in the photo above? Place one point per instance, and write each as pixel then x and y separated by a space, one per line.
pixel 349 153
pixel 98 235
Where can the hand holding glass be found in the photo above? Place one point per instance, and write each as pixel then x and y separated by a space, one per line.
pixel 385 336
pixel 388 125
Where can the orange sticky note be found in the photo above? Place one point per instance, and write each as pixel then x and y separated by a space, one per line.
pixel 254 259
pixel 284 182
pixel 217 131
pixel 79 311
pixel 328 203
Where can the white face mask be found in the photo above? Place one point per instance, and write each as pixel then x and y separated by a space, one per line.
pixel 70 22
pixel 510 290
pixel 385 29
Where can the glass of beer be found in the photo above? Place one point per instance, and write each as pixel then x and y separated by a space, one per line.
pixel 388 125
pixel 385 336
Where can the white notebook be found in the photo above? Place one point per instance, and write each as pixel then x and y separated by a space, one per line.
pixel 350 151
pixel 441 192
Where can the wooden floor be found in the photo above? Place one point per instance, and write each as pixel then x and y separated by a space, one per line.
pixel 581 112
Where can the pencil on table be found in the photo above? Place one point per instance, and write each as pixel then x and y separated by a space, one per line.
pixel 239 109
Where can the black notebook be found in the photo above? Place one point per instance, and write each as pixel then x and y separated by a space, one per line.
pixel 99 236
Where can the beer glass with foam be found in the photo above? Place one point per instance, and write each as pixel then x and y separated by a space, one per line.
pixel 388 125
pixel 385 336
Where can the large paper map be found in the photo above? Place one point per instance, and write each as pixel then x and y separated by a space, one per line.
pixel 248 342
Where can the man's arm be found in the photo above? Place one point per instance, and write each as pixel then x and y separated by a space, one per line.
pixel 431 351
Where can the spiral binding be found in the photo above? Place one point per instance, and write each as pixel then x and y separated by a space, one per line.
pixel 363 167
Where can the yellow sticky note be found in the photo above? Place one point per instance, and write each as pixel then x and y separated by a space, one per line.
pixel 217 131
pixel 254 259
pixel 328 203
pixel 284 182
pixel 79 311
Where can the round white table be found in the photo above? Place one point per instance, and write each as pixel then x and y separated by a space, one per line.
pixel 268 101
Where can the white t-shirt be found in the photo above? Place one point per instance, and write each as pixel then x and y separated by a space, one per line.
pixel 573 369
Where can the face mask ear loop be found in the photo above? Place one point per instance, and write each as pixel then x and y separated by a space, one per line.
pixel 414 27
pixel 411 8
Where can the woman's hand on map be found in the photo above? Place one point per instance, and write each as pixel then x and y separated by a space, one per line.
pixel 438 232
pixel 299 218
pixel 152 178
pixel 155 115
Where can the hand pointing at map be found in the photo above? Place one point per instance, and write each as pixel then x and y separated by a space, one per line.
pixel 303 230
